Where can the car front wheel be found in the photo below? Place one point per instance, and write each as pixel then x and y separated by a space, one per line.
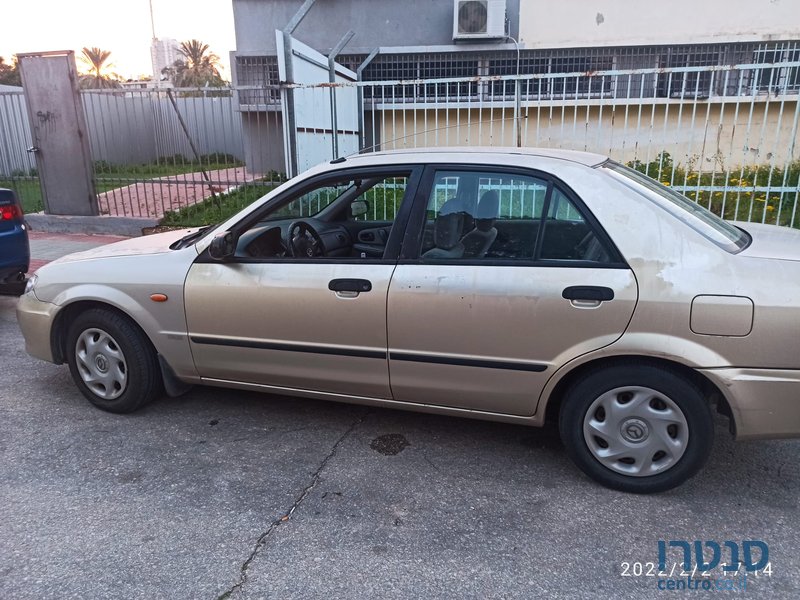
pixel 112 362
pixel 640 429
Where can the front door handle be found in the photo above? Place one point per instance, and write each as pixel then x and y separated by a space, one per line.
pixel 350 285
pixel 588 292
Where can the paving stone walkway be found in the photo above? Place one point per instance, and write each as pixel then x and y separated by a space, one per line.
pixel 153 197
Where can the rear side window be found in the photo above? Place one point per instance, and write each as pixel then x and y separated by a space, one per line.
pixel 723 234
pixel 495 216
pixel 566 235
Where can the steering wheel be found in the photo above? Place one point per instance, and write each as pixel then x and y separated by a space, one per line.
pixel 304 241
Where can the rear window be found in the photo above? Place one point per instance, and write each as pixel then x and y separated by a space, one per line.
pixel 723 234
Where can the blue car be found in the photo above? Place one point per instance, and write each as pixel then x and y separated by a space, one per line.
pixel 15 254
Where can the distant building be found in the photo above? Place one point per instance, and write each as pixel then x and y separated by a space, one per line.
pixel 163 53
pixel 141 85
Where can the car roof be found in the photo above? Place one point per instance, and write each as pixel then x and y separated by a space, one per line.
pixel 474 154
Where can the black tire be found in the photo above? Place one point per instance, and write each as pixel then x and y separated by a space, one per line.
pixel 680 392
pixel 141 372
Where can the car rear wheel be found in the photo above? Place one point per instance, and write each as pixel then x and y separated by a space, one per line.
pixel 112 362
pixel 640 429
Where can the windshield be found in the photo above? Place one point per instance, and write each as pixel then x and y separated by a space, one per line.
pixel 312 203
pixel 722 233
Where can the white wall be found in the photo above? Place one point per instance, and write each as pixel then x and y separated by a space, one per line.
pixel 719 136
pixel 583 23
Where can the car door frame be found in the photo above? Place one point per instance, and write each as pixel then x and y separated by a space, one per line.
pixel 393 243
pixel 265 350
pixel 410 255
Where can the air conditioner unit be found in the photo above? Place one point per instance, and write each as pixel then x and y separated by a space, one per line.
pixel 479 19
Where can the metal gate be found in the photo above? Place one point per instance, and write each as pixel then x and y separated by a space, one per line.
pixel 320 119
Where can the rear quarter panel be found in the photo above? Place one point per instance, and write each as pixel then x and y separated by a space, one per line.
pixel 673 264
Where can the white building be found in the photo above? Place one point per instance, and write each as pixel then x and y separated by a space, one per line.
pixel 613 76
pixel 163 53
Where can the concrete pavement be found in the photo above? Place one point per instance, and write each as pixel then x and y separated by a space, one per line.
pixel 227 494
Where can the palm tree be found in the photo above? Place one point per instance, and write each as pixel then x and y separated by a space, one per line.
pixel 98 76
pixel 9 73
pixel 199 66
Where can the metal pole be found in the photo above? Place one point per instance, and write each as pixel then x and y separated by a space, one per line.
pixel 517 100
pixel 298 16
pixel 191 144
pixel 332 78
pixel 360 93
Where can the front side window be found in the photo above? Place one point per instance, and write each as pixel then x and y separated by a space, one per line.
pixel 346 217
pixel 495 216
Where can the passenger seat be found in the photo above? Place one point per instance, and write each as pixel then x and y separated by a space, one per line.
pixel 478 241
pixel 447 231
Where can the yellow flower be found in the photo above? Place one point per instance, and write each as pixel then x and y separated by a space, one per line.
pixel 666 183
pixel 760 199
pixel 734 179
pixel 718 194
pixel 770 208
pixel 743 183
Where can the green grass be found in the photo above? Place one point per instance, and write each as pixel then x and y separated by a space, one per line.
pixel 110 176
pixel 28 191
pixel 214 210
pixel 162 168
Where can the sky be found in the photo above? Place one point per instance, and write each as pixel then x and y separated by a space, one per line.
pixel 120 26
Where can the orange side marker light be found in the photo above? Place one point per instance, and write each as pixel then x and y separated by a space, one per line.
pixel 158 297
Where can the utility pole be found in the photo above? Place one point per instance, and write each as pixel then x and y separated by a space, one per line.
pixel 152 20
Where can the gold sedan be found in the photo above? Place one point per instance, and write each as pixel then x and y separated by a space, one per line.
pixel 520 286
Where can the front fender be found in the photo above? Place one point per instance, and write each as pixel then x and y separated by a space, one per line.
pixel 164 325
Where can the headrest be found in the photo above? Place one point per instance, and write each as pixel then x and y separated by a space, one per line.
pixel 454 205
pixel 487 210
pixel 488 205
pixel 448 224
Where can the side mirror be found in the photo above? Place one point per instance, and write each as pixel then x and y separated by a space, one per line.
pixel 358 208
pixel 223 246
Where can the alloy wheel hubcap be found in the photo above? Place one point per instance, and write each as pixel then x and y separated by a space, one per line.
pixel 101 364
pixel 636 431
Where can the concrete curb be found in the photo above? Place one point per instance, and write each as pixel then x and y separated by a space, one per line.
pixel 125 226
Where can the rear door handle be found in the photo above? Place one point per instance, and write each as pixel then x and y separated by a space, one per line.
pixel 350 285
pixel 588 292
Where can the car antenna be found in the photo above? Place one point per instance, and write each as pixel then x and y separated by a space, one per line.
pixel 341 159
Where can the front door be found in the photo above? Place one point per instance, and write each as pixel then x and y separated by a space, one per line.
pixel 511 279
pixel 303 303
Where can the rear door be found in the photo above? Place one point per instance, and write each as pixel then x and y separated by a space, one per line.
pixel 485 305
